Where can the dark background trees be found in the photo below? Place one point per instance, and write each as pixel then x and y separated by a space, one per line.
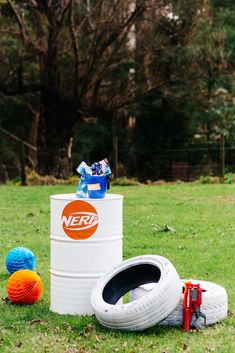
pixel 78 76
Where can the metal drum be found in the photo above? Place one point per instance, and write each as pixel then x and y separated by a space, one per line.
pixel 86 241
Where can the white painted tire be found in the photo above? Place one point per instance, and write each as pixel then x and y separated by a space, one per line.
pixel 214 303
pixel 146 311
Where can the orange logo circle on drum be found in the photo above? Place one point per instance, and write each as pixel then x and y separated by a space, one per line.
pixel 79 220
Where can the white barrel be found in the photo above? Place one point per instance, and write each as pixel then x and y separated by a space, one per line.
pixel 86 242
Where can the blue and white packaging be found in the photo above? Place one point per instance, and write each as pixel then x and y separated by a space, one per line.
pixel 100 168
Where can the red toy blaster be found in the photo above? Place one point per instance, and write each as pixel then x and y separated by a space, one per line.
pixel 191 306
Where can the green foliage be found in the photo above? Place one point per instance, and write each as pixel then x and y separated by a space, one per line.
pixel 93 141
pixel 208 179
pixel 153 133
pixel 229 178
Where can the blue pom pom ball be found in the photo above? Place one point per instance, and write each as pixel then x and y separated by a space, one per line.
pixel 20 259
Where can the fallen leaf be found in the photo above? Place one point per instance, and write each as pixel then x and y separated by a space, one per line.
pixel 6 300
pixel 32 322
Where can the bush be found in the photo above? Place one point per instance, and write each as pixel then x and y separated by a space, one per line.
pixel 33 178
pixel 125 182
pixel 72 180
pixel 208 179
pixel 229 178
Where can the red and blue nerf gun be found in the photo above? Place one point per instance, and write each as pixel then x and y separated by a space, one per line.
pixel 191 306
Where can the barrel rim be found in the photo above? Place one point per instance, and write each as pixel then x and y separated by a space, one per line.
pixel 73 197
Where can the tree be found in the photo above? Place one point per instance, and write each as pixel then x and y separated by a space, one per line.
pixel 162 120
pixel 102 61
pixel 74 55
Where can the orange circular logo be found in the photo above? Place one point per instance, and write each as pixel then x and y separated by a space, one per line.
pixel 79 220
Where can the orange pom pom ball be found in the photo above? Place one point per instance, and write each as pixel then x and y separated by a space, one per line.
pixel 24 287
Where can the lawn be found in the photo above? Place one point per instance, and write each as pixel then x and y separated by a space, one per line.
pixel 202 247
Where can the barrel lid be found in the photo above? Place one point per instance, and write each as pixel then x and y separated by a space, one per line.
pixel 74 197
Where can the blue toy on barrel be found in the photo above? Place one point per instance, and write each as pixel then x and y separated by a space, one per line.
pixel 96 186
pixel 94 180
pixel 20 258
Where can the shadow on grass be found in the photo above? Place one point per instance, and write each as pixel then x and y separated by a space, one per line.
pixel 155 330
pixel 4 276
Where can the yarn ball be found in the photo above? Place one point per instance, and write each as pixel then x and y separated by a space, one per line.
pixel 24 287
pixel 19 259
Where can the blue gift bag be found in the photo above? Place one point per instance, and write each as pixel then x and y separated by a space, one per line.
pixel 96 186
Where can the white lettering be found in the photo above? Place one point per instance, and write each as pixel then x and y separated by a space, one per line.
pixel 66 220
pixel 75 221
pixel 93 219
pixel 80 220
pixel 84 220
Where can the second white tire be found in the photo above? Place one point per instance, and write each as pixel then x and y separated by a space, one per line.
pixel 214 303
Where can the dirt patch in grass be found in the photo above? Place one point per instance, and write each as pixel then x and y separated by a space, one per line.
pixel 224 199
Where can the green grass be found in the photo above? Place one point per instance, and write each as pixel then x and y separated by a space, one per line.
pixel 202 247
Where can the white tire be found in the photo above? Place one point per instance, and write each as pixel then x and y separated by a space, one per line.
pixel 214 303
pixel 148 310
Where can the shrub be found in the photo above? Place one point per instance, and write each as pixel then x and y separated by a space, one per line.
pixel 125 182
pixel 208 179
pixel 229 178
pixel 33 178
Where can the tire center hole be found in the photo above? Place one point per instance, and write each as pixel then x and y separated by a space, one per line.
pixel 128 279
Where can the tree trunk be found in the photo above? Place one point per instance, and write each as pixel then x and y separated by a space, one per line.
pixel 115 156
pixel 33 138
pixel 222 157
pixel 22 165
pixel 55 125
pixel 54 142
